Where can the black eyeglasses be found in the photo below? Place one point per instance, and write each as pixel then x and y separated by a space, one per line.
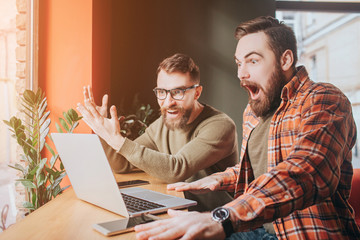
pixel 176 93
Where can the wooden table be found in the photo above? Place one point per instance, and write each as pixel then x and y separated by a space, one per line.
pixel 67 217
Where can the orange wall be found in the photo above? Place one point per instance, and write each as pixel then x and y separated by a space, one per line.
pixel 101 48
pixel 71 54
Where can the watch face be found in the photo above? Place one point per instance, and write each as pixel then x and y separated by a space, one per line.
pixel 220 214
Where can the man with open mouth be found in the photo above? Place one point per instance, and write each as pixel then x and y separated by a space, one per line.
pixel 294 176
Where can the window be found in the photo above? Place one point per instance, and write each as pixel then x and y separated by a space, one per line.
pixel 17 72
pixel 328 46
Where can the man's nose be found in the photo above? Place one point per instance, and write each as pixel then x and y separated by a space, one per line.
pixel 169 101
pixel 243 73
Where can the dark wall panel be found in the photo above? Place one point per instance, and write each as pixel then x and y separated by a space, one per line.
pixel 145 32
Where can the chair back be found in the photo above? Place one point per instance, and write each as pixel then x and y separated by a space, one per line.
pixel 355 195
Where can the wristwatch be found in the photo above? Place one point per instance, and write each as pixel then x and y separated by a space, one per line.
pixel 222 215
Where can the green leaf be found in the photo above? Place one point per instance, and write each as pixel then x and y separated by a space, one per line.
pixel 20 137
pixel 58 128
pixel 43 118
pixel 29 96
pixel 29 112
pixel 53 160
pixel 17 168
pixel 7 123
pixel 61 166
pixel 59 178
pixel 40 167
pixel 50 171
pixel 74 126
pixel 42 108
pixel 28 205
pixel 63 123
pixel 56 190
pixel 34 198
pixel 41 180
pixel 64 188
pixel 42 138
pixel 50 148
pixel 33 171
pixel 67 118
pixel 27 183
pixel 45 126
pixel 73 114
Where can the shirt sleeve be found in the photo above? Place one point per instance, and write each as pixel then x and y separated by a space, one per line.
pixel 310 172
pixel 228 178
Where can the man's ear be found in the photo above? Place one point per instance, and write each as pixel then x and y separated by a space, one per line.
pixel 287 60
pixel 198 91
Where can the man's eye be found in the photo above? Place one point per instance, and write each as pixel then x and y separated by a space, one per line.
pixel 253 61
pixel 161 91
pixel 176 91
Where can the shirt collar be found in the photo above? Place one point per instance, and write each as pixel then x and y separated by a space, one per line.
pixel 290 89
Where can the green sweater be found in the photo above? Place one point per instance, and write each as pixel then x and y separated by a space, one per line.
pixel 205 146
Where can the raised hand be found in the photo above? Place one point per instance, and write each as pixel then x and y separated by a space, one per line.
pixel 106 128
pixel 88 94
pixel 204 185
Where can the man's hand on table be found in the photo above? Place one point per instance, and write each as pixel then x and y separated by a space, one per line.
pixel 181 225
pixel 204 185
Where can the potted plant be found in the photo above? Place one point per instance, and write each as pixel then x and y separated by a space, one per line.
pixel 137 119
pixel 40 177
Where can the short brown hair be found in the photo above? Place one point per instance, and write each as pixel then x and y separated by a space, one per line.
pixel 280 36
pixel 180 63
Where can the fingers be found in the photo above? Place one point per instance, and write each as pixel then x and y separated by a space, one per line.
pixel 105 101
pixel 114 118
pixel 90 94
pixel 174 186
pixel 92 108
pixel 85 93
pixel 164 229
pixel 175 213
pixel 84 111
pixel 87 116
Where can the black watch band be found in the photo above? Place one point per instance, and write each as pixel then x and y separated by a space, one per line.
pixel 222 215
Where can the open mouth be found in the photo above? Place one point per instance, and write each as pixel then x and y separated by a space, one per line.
pixel 172 112
pixel 252 88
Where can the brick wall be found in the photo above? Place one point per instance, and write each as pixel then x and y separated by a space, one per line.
pixel 21 39
pixel 22 26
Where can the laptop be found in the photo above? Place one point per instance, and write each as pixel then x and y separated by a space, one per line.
pixel 93 181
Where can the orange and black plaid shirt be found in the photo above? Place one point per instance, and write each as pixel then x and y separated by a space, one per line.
pixel 306 189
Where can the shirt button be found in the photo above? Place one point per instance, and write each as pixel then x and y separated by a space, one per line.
pixel 286 196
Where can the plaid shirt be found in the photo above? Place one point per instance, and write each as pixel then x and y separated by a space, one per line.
pixel 306 189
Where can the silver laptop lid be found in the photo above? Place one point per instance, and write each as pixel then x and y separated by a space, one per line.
pixel 93 181
pixel 91 178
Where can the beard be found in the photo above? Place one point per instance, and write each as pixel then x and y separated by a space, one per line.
pixel 178 123
pixel 272 94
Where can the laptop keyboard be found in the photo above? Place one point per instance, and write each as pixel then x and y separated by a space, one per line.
pixel 134 204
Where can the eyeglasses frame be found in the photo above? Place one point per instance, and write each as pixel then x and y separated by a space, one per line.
pixel 169 91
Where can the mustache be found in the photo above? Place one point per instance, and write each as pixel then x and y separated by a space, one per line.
pixel 245 83
pixel 174 108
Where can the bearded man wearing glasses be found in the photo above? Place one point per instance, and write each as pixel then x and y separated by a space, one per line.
pixel 189 141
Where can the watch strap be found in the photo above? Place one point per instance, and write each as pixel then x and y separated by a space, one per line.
pixel 228 227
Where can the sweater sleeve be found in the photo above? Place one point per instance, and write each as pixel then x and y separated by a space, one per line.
pixel 118 162
pixel 215 140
